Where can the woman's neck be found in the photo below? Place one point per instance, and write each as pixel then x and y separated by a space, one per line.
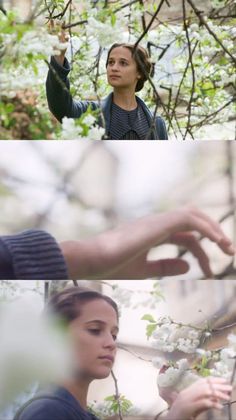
pixel 79 389
pixel 125 99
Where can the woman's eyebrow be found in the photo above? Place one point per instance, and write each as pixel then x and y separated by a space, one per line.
pixel 121 58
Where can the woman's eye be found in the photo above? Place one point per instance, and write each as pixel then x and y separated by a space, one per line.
pixel 94 331
pixel 124 63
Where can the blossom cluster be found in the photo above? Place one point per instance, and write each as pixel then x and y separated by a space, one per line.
pixel 21 78
pixel 178 377
pixel 103 32
pixel 169 337
pixel 182 374
pixel 73 131
pixel 34 43
pixel 225 361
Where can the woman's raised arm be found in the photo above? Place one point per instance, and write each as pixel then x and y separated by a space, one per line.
pixel 60 101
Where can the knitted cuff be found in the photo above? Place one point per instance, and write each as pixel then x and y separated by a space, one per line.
pixel 62 71
pixel 36 255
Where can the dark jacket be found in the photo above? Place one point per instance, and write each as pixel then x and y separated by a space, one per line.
pixel 61 103
pixel 58 404
pixel 31 255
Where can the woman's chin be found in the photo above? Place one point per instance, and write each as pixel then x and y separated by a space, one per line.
pixel 102 374
pixel 114 82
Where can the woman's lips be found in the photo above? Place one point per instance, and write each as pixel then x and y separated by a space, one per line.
pixel 114 77
pixel 110 358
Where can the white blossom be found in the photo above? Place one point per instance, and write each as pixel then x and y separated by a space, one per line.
pixel 89 120
pixel 31 349
pixel 36 42
pixel 69 129
pixel 203 352
pixel 96 133
pixel 169 337
pixel 178 377
pixel 104 33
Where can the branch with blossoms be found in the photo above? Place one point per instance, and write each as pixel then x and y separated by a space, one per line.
pixel 177 338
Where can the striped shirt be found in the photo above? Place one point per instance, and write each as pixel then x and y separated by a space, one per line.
pixel 128 125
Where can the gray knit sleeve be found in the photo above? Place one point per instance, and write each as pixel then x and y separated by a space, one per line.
pixel 35 255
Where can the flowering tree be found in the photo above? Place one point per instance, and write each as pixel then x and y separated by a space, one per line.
pixel 196 353
pixel 192 84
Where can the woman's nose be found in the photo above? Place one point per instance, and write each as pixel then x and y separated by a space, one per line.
pixel 109 342
pixel 115 66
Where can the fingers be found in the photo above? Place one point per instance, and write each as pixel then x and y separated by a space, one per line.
pixel 191 243
pixel 206 404
pixel 195 220
pixel 224 242
pixel 202 395
pixel 57 27
pixel 218 390
pixel 214 389
pixel 166 267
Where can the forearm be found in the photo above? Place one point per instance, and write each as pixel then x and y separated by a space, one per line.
pixel 121 252
pixel 109 252
pixel 58 88
pixel 60 59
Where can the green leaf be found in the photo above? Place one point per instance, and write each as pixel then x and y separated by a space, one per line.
pixel 148 317
pixel 109 398
pixel 150 329
pixel 113 19
pixel 205 372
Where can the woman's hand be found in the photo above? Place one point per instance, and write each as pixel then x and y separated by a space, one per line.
pixel 121 253
pixel 167 393
pixel 204 394
pixel 63 38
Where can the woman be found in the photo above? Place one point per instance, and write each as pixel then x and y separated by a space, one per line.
pixel 92 321
pixel 125 115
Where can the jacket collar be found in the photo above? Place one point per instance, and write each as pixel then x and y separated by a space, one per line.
pixel 106 109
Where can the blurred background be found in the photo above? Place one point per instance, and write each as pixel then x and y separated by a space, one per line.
pixel 77 189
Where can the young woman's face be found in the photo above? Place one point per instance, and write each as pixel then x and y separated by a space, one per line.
pixel 122 69
pixel 94 335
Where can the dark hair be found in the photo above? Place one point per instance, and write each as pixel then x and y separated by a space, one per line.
pixel 142 59
pixel 68 303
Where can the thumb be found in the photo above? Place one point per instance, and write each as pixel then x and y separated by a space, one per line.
pixel 167 267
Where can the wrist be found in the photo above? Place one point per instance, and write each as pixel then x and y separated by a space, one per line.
pixel 60 59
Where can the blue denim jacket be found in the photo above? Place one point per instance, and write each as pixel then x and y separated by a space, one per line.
pixel 58 404
pixel 61 103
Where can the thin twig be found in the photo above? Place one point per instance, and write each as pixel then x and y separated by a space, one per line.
pixel 117 395
pixel 203 21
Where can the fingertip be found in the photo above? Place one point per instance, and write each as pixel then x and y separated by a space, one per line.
pixel 209 274
pixel 183 266
pixel 231 249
